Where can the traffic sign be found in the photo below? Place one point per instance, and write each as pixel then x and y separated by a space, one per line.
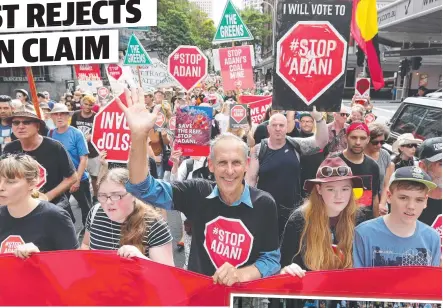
pixel 231 27
pixel 42 174
pixel 362 87
pixel 103 92
pixel 110 132
pixel 135 53
pixel 188 66
pixel 228 240
pixel 311 57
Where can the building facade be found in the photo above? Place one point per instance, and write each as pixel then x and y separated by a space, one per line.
pixel 254 4
pixel 205 6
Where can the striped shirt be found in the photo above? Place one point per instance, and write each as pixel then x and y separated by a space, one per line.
pixel 105 234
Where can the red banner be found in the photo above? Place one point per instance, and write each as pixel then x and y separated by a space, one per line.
pixel 258 109
pixel 86 72
pixel 236 67
pixel 247 99
pixel 97 278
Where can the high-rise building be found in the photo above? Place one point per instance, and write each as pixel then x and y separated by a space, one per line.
pixel 255 4
pixel 204 5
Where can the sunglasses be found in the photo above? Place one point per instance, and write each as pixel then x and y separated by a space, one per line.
pixel 327 171
pixel 25 122
pixel 410 146
pixel 376 142
pixel 344 114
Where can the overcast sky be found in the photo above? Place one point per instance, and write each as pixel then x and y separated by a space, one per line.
pixel 219 5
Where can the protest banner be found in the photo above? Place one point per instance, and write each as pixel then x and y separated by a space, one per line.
pixel 362 87
pixel 311 54
pixel 236 67
pixel 102 278
pixel 258 109
pixel 110 132
pixel 231 27
pixel 88 77
pixel 120 77
pixel 153 75
pixel 188 66
pixel 247 99
pixel 238 116
pixel 193 130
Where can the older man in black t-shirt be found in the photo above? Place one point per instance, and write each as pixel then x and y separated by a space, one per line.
pixel 229 242
pixel 50 154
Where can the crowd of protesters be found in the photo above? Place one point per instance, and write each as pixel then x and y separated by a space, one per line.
pixel 316 190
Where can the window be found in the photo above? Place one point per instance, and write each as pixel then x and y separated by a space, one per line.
pixel 18 74
pixel 422 122
pixel 350 78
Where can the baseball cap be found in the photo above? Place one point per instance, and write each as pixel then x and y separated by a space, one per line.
pixel 412 174
pixel 430 149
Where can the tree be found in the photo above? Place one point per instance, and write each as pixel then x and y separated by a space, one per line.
pixel 257 23
pixel 201 26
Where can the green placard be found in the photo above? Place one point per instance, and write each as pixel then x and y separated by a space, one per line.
pixel 136 54
pixel 231 27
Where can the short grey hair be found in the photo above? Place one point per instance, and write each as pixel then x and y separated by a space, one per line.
pixel 378 129
pixel 226 136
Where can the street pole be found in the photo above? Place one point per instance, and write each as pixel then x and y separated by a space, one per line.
pixel 274 23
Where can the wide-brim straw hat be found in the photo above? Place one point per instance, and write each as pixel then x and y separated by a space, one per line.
pixel 61 108
pixel 404 140
pixel 26 111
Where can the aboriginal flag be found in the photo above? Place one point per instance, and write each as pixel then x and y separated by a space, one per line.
pixel 364 29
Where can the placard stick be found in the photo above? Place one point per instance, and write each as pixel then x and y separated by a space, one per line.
pixel 33 90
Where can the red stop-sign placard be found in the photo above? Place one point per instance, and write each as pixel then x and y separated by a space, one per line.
pixel 311 57
pixel 42 176
pixel 172 123
pixel 103 92
pixel 238 113
pixel 362 87
pixel 227 240
pixel 437 225
pixel 115 71
pixel 10 243
pixel 188 66
pixel 110 132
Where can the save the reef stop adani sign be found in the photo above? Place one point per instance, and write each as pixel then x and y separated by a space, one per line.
pixel 110 132
pixel 188 66
pixel 311 54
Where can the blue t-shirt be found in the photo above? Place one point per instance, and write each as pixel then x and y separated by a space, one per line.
pixel 376 245
pixel 74 143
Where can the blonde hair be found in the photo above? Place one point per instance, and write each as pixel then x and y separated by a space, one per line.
pixel 134 227
pixel 315 241
pixel 89 98
pixel 20 166
pixel 358 108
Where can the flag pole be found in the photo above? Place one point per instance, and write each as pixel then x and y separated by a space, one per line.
pixel 139 76
pixel 33 90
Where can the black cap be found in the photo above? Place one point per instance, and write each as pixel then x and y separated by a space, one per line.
pixel 412 174
pixel 430 149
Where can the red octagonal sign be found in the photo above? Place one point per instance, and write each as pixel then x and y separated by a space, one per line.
pixel 110 132
pixel 238 113
pixel 228 240
pixel 311 57
pixel 42 174
pixel 437 225
pixel 188 66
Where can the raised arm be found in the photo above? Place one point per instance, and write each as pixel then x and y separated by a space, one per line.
pixel 254 166
pixel 312 145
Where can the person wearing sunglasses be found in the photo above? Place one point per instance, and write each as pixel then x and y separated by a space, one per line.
pixel 123 223
pixel 29 224
pixel 378 133
pixel 337 132
pixel 405 147
pixel 326 220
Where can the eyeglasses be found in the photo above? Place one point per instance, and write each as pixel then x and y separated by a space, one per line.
pixel 327 171
pixel 344 114
pixel 25 122
pixel 376 142
pixel 410 146
pixel 104 198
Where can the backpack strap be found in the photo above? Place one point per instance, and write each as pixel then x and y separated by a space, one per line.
pixel 189 166
pixel 263 149
pixel 294 144
pixel 51 132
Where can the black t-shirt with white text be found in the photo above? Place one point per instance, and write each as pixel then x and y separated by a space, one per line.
pixel 221 232
pixel 48 226
pixel 85 126
pixel 431 213
pixel 52 156
pixel 370 175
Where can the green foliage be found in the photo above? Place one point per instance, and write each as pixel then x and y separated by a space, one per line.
pixel 257 23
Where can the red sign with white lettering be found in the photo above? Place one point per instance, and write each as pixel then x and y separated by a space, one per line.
pixel 258 109
pixel 362 87
pixel 228 240
pixel 172 122
pixel 85 72
pixel 110 132
pixel 437 226
pixel 115 71
pixel 188 66
pixel 236 67
pixel 10 243
pixel 103 92
pixel 311 57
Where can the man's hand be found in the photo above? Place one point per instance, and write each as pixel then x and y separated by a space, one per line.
pixel 140 120
pixel 74 187
pixel 382 209
pixel 175 156
pixel 316 115
pixel 227 275
pixel 102 158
